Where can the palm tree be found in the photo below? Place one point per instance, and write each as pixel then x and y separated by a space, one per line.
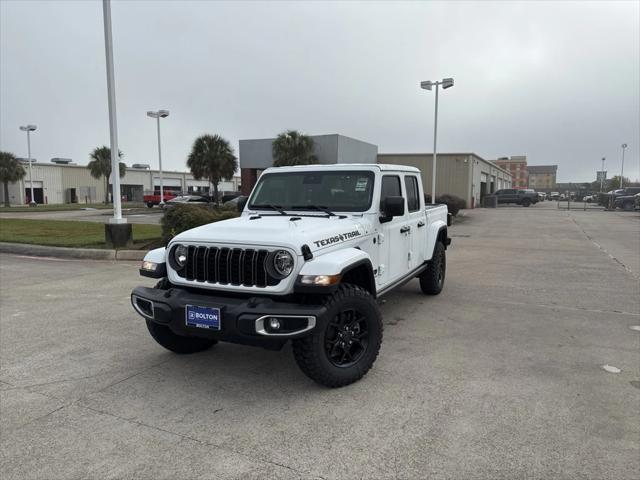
pixel 212 158
pixel 10 171
pixel 100 166
pixel 293 148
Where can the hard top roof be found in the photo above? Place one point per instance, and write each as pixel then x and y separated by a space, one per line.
pixel 346 166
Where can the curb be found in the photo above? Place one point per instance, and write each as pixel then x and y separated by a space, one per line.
pixel 65 252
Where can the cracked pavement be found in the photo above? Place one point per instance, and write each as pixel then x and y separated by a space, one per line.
pixel 498 377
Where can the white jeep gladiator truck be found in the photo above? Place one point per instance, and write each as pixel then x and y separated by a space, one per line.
pixel 313 249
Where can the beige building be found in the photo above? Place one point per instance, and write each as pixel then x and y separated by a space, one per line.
pixel 64 183
pixel 465 175
pixel 542 177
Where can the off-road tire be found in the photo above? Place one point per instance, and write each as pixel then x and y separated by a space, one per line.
pixel 311 354
pixel 150 204
pixel 176 343
pixel 432 279
pixel 526 202
pixel 627 206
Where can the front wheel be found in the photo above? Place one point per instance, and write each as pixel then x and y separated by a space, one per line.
pixel 347 343
pixel 526 202
pixel 432 279
pixel 150 204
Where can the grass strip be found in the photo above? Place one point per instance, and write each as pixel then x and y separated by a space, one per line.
pixel 66 233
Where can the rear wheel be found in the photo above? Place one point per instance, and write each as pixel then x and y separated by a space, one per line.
pixel 150 204
pixel 432 279
pixel 343 350
pixel 628 206
pixel 169 340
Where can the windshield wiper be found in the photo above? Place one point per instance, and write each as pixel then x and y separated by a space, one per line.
pixel 321 208
pixel 277 208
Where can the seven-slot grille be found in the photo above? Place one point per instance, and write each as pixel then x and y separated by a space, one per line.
pixel 228 266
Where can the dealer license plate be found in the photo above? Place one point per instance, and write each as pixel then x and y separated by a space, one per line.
pixel 202 317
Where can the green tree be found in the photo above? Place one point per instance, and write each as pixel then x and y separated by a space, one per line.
pixel 212 158
pixel 614 183
pixel 293 148
pixel 10 171
pixel 100 166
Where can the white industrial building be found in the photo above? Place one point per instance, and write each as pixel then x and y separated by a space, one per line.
pixel 69 183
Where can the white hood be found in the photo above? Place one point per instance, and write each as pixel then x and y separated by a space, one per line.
pixel 291 231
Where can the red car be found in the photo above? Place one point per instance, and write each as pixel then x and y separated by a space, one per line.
pixel 154 199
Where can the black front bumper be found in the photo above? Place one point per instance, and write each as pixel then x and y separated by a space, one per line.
pixel 238 315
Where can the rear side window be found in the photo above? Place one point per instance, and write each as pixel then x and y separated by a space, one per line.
pixel 390 187
pixel 411 186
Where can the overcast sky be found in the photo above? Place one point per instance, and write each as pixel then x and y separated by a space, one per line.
pixel 558 82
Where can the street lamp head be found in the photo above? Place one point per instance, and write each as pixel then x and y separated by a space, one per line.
pixel 624 145
pixel 447 83
pixel 426 85
pixel 158 114
pixel 28 128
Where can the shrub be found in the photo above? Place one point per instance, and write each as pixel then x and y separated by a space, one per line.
pixel 454 204
pixel 185 217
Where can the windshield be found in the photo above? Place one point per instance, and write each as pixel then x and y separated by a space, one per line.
pixel 338 191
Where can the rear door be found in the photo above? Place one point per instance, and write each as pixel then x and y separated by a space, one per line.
pixel 416 221
pixel 393 242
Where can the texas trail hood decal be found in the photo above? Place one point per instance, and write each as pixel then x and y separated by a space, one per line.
pixel 339 238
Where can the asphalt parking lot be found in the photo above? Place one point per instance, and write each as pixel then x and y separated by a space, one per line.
pixel 498 377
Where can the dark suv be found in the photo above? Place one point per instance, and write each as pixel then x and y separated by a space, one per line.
pixel 620 198
pixel 520 197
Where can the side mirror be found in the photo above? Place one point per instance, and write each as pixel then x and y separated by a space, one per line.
pixel 241 203
pixel 392 207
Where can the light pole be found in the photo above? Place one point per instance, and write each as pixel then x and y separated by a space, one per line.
pixel 158 115
pixel 602 175
pixel 118 232
pixel 29 129
pixel 624 147
pixel 426 85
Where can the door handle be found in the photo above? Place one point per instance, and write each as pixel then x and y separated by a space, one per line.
pixel 406 229
pixel 421 224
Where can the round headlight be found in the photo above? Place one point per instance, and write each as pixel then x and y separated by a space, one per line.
pixel 180 255
pixel 282 262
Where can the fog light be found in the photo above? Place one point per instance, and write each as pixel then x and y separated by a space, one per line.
pixel 274 324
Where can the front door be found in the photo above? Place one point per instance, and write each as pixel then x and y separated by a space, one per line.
pixel 393 242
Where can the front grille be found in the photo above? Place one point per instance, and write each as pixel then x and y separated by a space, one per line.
pixel 228 266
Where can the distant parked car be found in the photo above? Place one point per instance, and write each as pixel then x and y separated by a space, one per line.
pixel 637 197
pixel 188 199
pixel 611 196
pixel 554 196
pixel 152 199
pixel 625 202
pixel 533 194
pixel 520 197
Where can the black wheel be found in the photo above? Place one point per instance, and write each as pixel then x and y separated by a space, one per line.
pixel 169 340
pixel 343 350
pixel 150 204
pixel 432 279
pixel 627 206
pixel 526 202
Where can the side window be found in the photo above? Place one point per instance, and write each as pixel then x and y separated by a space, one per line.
pixel 390 187
pixel 411 186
